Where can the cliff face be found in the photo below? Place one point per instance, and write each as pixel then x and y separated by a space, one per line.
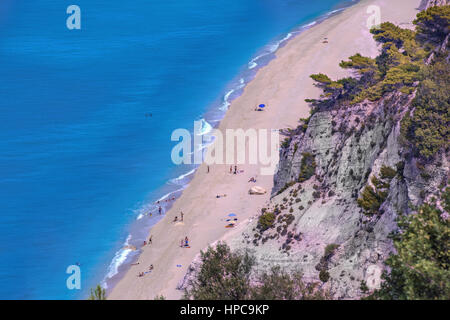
pixel 431 3
pixel 319 226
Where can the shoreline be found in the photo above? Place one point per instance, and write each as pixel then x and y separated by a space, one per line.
pixel 283 84
pixel 125 257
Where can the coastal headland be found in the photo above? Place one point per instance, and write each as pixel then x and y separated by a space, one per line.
pixel 282 85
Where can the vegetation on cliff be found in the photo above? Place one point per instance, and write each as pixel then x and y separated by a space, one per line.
pixel 373 196
pixel 307 167
pixel 402 66
pixel 226 275
pixel 426 131
pixel 266 221
pixel 420 267
pixel 433 24
pixel 414 63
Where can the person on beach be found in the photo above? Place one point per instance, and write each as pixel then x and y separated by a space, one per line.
pixel 207 169
pixel 145 243
pixel 175 219
pixel 181 243
pixel 160 210
pixel 220 196
pixel 150 268
pixel 150 240
pixel 186 242
pixel 231 169
pixel 235 169
pixel 182 215
pixel 252 179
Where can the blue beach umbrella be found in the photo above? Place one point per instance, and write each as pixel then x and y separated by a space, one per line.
pixel 262 105
pixel 232 215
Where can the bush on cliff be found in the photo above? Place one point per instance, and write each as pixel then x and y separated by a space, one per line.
pixel 324 275
pixel 372 197
pixel 266 221
pixel 307 167
pixel 427 129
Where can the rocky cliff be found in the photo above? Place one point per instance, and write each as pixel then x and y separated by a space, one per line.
pixel 319 226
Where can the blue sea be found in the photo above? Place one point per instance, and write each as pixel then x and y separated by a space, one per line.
pixel 87 115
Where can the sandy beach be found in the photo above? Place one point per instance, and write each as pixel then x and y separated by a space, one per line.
pixel 282 85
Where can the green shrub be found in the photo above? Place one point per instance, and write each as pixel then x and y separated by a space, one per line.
pixel 288 219
pixel 329 250
pixel 266 221
pixel 433 24
pixel 321 78
pixel 427 130
pixel 223 275
pixel 324 275
pixel 387 172
pixel 98 293
pixel 370 201
pixel 285 187
pixel 307 167
pixel 363 287
pixel 372 198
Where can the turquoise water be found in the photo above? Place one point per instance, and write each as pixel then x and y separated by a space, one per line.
pixel 86 118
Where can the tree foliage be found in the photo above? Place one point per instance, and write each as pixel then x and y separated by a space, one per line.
pixel 401 67
pixel 279 285
pixel 396 68
pixel 98 293
pixel 373 196
pixel 307 167
pixel 226 275
pixel 433 24
pixel 420 267
pixel 427 130
pixel 389 34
